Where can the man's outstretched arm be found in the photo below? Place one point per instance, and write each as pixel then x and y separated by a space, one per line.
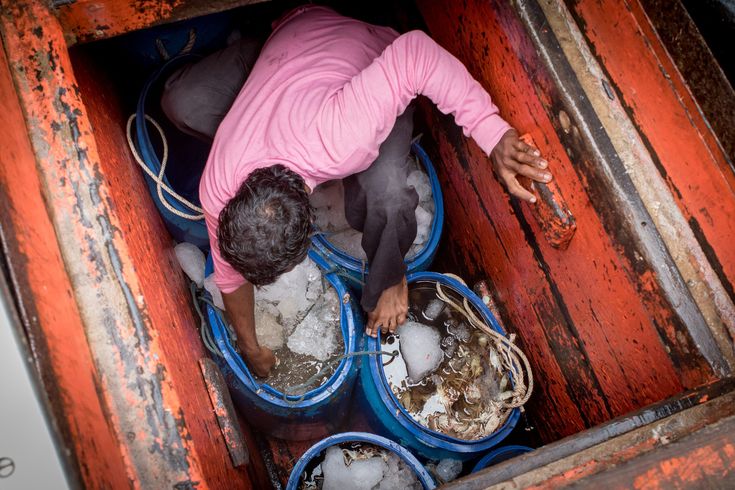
pixel 362 112
pixel 240 305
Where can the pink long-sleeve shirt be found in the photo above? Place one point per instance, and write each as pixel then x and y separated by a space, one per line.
pixel 323 95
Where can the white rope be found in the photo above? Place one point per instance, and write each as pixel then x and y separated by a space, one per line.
pixel 158 179
pixel 512 356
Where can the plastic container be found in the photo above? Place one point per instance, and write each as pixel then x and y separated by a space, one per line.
pixel 314 451
pixel 500 454
pixel 321 410
pixel 386 415
pixel 182 229
pixel 354 270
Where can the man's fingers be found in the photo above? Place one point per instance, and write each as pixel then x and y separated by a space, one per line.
pixel 533 173
pixel 520 145
pixel 530 159
pixel 519 191
pixel 401 319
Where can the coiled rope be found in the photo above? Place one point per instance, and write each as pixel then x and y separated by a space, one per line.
pixel 158 178
pixel 513 358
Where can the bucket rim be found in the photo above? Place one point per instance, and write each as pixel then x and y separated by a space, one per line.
pixel 421 472
pixel 352 264
pixel 424 434
pixel 483 462
pixel 266 392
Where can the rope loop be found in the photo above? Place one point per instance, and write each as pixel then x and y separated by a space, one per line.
pixel 514 360
pixel 161 186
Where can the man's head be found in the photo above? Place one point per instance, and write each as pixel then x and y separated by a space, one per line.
pixel 264 230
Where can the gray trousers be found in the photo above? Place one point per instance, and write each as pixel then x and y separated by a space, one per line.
pixel 381 205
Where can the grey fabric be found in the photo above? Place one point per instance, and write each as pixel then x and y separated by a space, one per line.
pixel 378 202
pixel 197 96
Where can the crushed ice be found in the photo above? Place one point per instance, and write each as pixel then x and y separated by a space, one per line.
pixel 328 202
pixel 298 317
pixel 364 468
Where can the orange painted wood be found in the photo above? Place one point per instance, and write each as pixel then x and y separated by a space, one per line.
pixel 163 284
pixel 88 20
pixel 660 104
pixel 48 309
pixel 145 344
pixel 582 314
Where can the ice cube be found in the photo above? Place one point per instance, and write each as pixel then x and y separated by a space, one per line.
pixel 268 329
pixel 214 291
pixel 448 469
pixel 419 180
pixel 350 242
pixel 433 309
pixel 289 293
pixel 420 348
pixel 398 475
pixel 423 225
pixel 317 334
pixel 361 474
pixel 191 260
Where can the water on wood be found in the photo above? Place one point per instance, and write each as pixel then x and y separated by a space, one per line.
pixel 460 397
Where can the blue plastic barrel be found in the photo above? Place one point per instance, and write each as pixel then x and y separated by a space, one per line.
pixel 500 454
pixel 320 411
pixel 317 449
pixel 182 229
pixel 355 270
pixel 386 415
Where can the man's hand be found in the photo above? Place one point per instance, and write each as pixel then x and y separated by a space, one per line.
pixel 240 310
pixel 391 310
pixel 261 360
pixel 512 157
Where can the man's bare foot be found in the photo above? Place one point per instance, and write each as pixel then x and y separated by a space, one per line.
pixel 390 311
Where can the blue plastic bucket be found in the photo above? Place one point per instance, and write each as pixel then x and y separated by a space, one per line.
pixel 182 229
pixel 320 411
pixel 386 415
pixel 316 450
pixel 498 455
pixel 354 270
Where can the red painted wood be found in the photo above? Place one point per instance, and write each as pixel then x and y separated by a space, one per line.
pixel 688 155
pixel 579 313
pixel 163 283
pixel 54 328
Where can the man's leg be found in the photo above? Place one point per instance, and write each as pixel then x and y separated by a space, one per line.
pixel 196 97
pixel 383 207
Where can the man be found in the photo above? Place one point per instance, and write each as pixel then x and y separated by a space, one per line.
pixel 328 98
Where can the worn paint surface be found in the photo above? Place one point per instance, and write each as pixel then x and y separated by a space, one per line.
pixel 686 151
pixel 589 316
pixel 634 200
pixel 49 312
pixel 225 412
pixel 550 467
pixel 141 336
pixel 89 20
pixel 640 431
pixel 550 210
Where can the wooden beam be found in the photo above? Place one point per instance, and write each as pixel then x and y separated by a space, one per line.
pixel 92 20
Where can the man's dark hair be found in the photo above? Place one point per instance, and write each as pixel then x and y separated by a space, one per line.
pixel 264 230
